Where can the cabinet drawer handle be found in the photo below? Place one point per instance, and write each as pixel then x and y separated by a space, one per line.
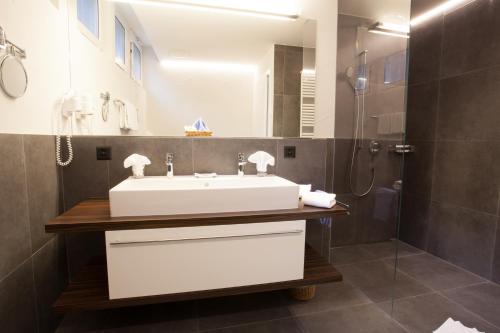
pixel 284 232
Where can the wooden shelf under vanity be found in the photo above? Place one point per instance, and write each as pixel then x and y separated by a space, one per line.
pixel 89 289
pixel 94 215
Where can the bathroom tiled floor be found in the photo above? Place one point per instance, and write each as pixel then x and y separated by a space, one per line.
pixel 427 292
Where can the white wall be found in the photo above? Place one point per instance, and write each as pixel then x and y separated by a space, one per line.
pixel 178 97
pixel 264 96
pixel 41 29
pixel 325 12
pixel 93 70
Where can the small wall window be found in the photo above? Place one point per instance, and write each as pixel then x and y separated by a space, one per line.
pixel 88 15
pixel 395 68
pixel 136 59
pixel 119 43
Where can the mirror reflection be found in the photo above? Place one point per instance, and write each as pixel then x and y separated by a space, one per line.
pixel 194 69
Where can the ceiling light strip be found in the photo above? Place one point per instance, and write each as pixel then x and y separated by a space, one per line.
pixel 389 33
pixel 211 8
pixel 207 65
pixel 438 10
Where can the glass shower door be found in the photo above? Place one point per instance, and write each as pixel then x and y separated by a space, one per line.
pixel 368 160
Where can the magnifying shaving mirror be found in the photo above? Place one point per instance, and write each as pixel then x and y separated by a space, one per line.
pixel 13 76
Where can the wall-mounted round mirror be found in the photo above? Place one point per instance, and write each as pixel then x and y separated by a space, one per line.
pixel 13 77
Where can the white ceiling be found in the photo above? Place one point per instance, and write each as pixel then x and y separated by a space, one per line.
pixel 393 11
pixel 221 37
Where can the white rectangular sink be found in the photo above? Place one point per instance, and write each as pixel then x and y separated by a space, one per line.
pixel 190 195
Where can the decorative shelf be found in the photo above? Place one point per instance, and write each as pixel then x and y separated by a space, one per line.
pixel 89 289
pixel 94 215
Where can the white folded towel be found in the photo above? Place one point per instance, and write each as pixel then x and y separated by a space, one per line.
pixel 132 116
pixel 261 159
pixel 128 116
pixel 319 199
pixel 452 326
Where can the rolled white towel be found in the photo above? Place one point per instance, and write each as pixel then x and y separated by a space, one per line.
pixel 319 199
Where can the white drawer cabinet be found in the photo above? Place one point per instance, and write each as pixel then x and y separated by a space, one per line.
pixel 173 260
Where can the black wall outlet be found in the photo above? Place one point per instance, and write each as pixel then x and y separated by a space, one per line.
pixel 289 152
pixel 103 153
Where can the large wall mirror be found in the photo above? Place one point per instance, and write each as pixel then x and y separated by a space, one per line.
pixel 226 69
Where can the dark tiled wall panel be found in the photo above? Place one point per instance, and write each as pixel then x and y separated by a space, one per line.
pixel 15 244
pixel 452 182
pixel 32 264
pixel 470 38
pixel 288 63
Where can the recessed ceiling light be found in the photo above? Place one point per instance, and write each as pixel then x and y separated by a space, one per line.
pixel 212 9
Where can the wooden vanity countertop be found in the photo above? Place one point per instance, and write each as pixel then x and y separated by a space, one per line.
pixel 94 215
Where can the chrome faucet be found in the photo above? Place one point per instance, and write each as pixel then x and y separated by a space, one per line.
pixel 170 165
pixel 241 164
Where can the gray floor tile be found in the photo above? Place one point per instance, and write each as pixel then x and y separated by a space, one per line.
pixel 436 273
pixel 483 299
pixel 350 255
pixel 426 313
pixel 364 318
pixel 160 318
pixel 243 309
pixel 388 249
pixel 376 280
pixel 329 296
pixel 289 325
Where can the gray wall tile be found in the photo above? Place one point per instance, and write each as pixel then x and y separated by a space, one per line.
pixel 425 52
pixel 418 169
pixel 468 106
pixel 293 67
pixel 85 177
pixel 17 301
pixel 43 187
pixel 347 229
pixel 50 276
pixel 342 162
pixel 414 223
pixel 279 70
pixel 221 155
pixel 496 259
pixel 291 116
pixel 467 174
pixel 468 30
pixel 421 113
pixel 463 236
pixel 278 116
pixel 155 148
pixel 330 158
pixel 309 165
pixel 15 243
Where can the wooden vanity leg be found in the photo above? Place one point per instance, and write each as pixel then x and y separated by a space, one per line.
pixel 303 293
